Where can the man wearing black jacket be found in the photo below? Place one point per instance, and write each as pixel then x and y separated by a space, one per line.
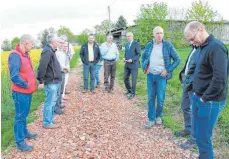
pixel 90 56
pixel 210 85
pixel 49 76
pixel 186 78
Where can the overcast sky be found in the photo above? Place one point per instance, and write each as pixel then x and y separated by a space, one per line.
pixel 27 16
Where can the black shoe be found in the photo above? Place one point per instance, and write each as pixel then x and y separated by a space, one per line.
pixel 97 86
pixel 188 145
pixel 24 147
pixel 58 112
pixel 182 133
pixel 31 136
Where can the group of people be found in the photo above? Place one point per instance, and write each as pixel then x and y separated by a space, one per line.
pixel 53 74
pixel 204 78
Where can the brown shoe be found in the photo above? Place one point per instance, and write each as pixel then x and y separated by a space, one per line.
pixel 51 126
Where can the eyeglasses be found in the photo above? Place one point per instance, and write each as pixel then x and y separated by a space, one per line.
pixel 194 37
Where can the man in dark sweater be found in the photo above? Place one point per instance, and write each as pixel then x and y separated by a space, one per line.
pixel 49 76
pixel 210 85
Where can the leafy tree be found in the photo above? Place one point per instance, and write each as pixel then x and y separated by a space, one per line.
pixel 100 38
pixel 202 11
pixel 15 41
pixel 44 35
pixel 150 16
pixel 66 31
pixel 6 46
pixel 103 28
pixel 121 22
pixel 83 36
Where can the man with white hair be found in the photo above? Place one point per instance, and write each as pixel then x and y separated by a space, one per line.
pixel 70 53
pixel 132 64
pixel 49 76
pixel 62 58
pixel 158 61
pixel 23 85
pixel 210 85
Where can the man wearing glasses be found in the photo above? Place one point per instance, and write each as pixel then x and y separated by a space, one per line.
pixel 210 85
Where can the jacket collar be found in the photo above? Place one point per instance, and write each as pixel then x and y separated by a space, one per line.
pixel 153 41
pixel 54 50
pixel 210 38
pixel 17 48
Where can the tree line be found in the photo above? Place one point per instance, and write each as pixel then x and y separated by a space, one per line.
pixel 150 15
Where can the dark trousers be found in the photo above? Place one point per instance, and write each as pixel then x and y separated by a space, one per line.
pixel 109 72
pixel 134 75
pixel 186 106
pixel 22 104
pixel 60 92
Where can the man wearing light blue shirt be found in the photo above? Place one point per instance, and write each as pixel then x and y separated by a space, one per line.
pixel 110 54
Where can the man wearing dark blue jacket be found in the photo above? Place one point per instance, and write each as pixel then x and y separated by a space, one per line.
pixel 210 85
pixel 158 61
pixel 186 78
pixel 90 56
pixel 132 64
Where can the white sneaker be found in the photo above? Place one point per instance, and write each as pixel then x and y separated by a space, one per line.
pixel 149 124
pixel 158 121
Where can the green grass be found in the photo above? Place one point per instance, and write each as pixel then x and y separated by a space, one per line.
pixel 7 111
pixel 7 105
pixel 173 116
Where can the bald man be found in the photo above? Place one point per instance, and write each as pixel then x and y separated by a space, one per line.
pixel 157 64
pixel 210 85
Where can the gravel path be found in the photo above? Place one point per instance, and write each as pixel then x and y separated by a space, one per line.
pixel 100 126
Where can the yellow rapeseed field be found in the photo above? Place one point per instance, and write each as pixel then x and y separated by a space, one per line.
pixel 34 55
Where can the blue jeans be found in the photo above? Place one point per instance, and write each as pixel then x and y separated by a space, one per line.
pixel 22 107
pixel 97 69
pixel 89 68
pixel 156 86
pixel 206 115
pixel 51 92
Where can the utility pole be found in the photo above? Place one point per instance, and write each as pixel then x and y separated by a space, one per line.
pixel 109 15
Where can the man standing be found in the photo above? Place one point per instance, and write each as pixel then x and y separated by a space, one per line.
pixel 23 85
pixel 110 54
pixel 49 76
pixel 156 62
pixel 62 59
pixel 90 55
pixel 131 59
pixel 210 85
pixel 70 53
pixel 186 77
